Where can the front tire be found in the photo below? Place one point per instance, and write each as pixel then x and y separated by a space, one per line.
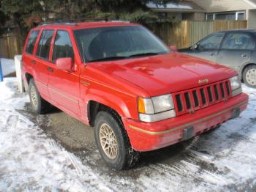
pixel 38 104
pixel 249 76
pixel 113 142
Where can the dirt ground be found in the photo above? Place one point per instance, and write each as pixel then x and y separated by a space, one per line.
pixel 78 138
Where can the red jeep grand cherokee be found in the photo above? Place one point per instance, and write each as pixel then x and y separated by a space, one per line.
pixel 123 81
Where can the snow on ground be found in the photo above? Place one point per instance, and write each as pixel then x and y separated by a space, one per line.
pixel 224 160
pixel 31 161
pixel 8 66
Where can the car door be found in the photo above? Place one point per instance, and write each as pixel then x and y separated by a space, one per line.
pixel 236 49
pixel 64 85
pixel 41 62
pixel 208 47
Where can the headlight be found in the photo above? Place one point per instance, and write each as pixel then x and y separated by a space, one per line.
pixel 162 103
pixel 156 108
pixel 235 84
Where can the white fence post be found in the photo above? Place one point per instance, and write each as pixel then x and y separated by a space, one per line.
pixel 18 67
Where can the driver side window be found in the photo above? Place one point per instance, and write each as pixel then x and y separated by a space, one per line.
pixel 211 42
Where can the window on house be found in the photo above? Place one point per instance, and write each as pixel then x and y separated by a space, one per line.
pixel 163 15
pixel 209 17
pixel 240 16
pixel 225 16
pixel 237 15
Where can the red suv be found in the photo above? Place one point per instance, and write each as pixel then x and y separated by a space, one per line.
pixel 123 81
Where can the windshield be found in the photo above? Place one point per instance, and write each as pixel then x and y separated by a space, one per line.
pixel 109 43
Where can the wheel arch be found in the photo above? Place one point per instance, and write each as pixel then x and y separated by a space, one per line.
pixel 120 104
pixel 94 107
pixel 28 77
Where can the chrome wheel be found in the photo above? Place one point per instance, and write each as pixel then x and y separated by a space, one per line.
pixel 108 141
pixel 34 97
pixel 251 76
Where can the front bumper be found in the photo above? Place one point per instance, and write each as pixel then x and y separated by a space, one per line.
pixel 151 136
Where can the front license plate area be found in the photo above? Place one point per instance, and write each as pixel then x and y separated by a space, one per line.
pixel 188 133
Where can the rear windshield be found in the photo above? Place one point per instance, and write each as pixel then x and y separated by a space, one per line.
pixel 109 43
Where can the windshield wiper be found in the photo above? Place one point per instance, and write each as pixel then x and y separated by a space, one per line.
pixel 145 54
pixel 108 58
pixel 126 57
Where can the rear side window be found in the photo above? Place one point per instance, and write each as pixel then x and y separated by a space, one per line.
pixel 238 41
pixel 62 46
pixel 44 45
pixel 31 41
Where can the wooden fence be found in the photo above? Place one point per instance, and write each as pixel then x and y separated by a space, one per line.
pixel 185 33
pixel 10 45
pixel 182 34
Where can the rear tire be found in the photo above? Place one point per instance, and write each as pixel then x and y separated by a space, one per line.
pixel 38 104
pixel 113 142
pixel 249 76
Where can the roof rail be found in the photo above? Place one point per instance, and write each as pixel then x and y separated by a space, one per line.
pixel 125 21
pixel 58 22
pixel 75 22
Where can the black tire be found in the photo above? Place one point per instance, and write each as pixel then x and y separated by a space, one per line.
pixel 249 76
pixel 38 104
pixel 117 152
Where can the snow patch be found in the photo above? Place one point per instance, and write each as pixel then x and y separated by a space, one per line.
pixel 31 161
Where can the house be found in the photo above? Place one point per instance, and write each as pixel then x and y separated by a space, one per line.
pixel 207 10
pixel 177 11
pixel 229 10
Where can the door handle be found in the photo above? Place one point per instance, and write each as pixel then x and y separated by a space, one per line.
pixel 50 69
pixel 33 62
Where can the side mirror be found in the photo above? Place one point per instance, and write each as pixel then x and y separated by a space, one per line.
pixel 194 47
pixel 173 48
pixel 64 64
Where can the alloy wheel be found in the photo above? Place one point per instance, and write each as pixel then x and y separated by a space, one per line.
pixel 108 141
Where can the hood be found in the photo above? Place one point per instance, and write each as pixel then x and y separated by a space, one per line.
pixel 167 73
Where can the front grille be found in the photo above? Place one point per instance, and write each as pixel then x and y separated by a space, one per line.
pixel 194 99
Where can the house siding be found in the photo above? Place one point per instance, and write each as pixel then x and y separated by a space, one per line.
pixel 251 19
pixel 224 5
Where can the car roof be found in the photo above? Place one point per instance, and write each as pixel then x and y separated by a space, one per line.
pixel 240 30
pixel 82 25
